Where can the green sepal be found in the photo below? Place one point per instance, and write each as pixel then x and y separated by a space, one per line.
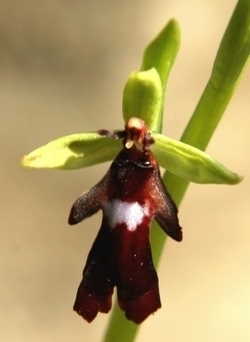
pixel 73 152
pixel 142 97
pixel 191 163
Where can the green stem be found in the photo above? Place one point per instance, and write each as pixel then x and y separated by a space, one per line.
pixel 120 329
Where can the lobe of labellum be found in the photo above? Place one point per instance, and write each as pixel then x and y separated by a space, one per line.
pixel 137 281
pixel 166 212
pixel 96 288
pixel 121 258
pixel 88 203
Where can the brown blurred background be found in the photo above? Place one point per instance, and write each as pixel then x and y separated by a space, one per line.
pixel 63 65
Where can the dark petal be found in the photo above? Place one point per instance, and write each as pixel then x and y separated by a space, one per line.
pixel 137 281
pixel 170 226
pixel 88 203
pixel 166 213
pixel 96 289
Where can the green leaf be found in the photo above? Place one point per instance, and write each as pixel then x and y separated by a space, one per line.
pixel 73 152
pixel 191 163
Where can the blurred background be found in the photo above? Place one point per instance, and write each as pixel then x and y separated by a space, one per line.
pixel 63 65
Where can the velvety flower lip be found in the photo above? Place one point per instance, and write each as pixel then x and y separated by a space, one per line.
pixel 130 195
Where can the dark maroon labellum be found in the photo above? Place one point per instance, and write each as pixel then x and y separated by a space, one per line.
pixel 130 195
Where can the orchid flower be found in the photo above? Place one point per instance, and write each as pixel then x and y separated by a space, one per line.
pixel 132 192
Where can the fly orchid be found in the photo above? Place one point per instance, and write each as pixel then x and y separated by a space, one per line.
pixel 132 192
pixel 130 195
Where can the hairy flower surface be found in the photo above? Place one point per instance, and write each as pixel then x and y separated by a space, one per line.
pixel 130 195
